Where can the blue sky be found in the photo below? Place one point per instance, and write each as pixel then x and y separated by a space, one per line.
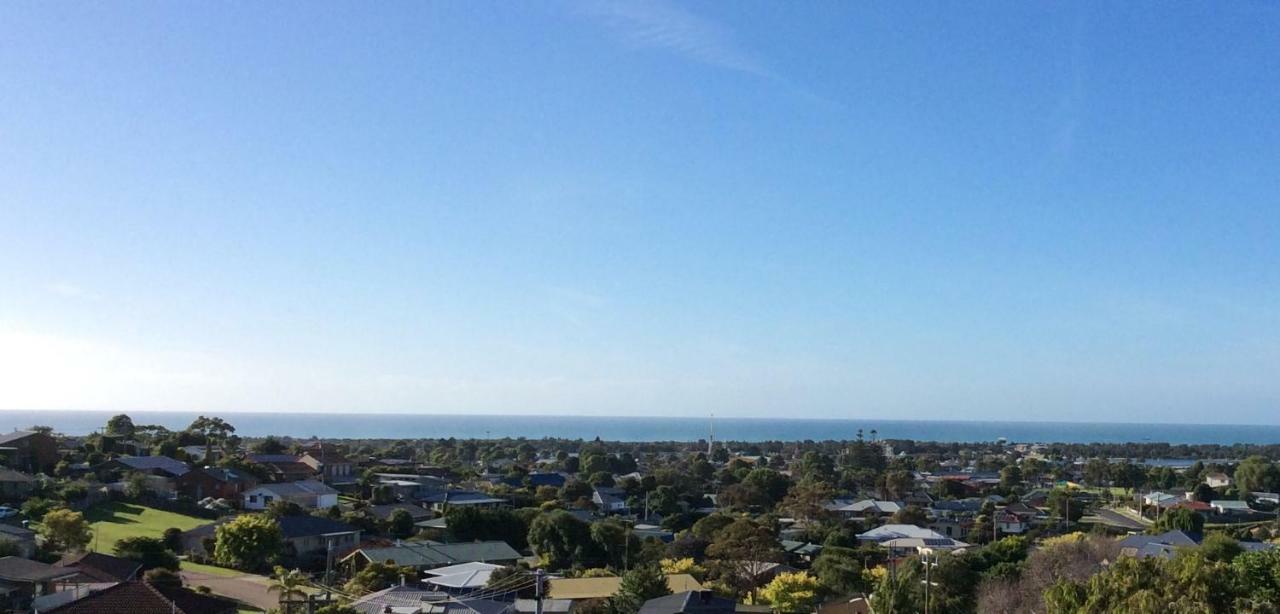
pixel 1059 211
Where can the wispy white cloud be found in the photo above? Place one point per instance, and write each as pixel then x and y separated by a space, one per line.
pixel 658 25
pixel 70 290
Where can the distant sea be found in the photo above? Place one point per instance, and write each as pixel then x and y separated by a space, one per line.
pixel 412 426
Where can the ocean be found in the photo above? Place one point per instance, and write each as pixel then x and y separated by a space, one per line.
pixel 412 426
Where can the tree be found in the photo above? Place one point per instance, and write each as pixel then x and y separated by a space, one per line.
pixel 472 524
pixel 1257 474
pixel 685 565
pixel 839 570
pixel 1204 493
pixel 561 540
pixel 619 545
pixel 898 484
pixel 375 577
pixel 808 501
pixel 911 514
pixel 1179 519
pixel 899 592
pixel 400 524
pixel 269 445
pixel 120 427
pixel 250 542
pixel 162 577
pixel 1010 477
pixel 592 463
pixel 172 538
pixel 638 586
pixel 770 483
pixel 64 530
pixel 815 466
pixel 288 583
pixel 664 501
pixel 1061 505
pixel 1220 547
pixel 791 593
pixel 740 548
pixel 212 429
pixel 135 485
pixel 149 551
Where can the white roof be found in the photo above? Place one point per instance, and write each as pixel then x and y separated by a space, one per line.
pixel 462 568
pixel 895 531
pixel 466 579
pixel 1234 505
pixel 918 543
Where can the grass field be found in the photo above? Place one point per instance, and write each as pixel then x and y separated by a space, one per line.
pixel 112 522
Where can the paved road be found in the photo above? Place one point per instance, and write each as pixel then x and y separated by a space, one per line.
pixel 246 588
pixel 1116 519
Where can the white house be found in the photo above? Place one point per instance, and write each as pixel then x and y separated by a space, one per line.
pixel 1217 480
pixel 609 500
pixel 1011 524
pixel 308 494
pixel 1230 507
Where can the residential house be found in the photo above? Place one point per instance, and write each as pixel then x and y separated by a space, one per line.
pixel 548 606
pixel 15 485
pixel 311 537
pixel 1008 523
pixel 461 578
pixel 887 532
pixel 283 467
pixel 95 567
pixel 23 580
pixel 215 482
pixel 610 500
pixel 424 555
pixel 951 526
pixel 440 502
pixel 332 467
pixel 407 599
pixel 202 454
pixel 308 494
pixel 851 509
pixel 384 512
pixel 1163 546
pixel 411 486
pixel 955 508
pixel 1231 508
pixel 578 589
pixel 150 465
pixel 29 451
pixel 1162 500
pixel 22 537
pixel 1267 498
pixel 904 546
pixel 1218 479
pixel 800 552
pixel 690 602
pixel 143 598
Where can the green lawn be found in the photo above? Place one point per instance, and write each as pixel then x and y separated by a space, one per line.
pixel 112 522
pixel 211 570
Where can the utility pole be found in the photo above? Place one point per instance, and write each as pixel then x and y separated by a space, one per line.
pixel 538 580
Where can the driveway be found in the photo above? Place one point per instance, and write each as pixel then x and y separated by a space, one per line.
pixel 246 588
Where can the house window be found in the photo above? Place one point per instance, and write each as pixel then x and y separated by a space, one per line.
pixel 267 498
pixel 253 498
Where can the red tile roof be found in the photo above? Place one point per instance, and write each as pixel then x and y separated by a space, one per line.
pixel 142 598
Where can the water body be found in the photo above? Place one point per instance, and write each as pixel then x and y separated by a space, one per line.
pixel 410 426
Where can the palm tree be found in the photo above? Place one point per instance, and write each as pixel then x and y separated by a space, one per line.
pixel 288 583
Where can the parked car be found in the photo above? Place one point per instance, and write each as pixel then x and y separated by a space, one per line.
pixel 7 512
